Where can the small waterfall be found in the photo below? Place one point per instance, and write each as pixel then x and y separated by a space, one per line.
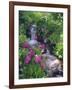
pixel 33 42
pixel 33 32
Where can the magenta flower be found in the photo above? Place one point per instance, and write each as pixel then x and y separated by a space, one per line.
pixel 29 56
pixel 38 59
pixel 42 46
pixel 26 45
pixel 32 53
pixel 27 59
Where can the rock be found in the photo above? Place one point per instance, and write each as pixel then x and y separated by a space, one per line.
pixel 53 66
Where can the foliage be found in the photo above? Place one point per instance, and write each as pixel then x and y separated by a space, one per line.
pixel 22 39
pixel 37 51
pixel 58 50
pixel 33 70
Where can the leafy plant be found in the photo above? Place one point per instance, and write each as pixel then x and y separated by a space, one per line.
pixel 37 51
pixel 22 39
pixel 32 70
pixel 58 50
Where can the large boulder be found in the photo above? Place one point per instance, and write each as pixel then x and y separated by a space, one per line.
pixel 53 66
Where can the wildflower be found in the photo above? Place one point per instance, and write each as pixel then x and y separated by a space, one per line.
pixel 38 59
pixel 26 45
pixel 27 59
pixel 32 53
pixel 42 46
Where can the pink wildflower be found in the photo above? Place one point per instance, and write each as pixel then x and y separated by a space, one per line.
pixel 32 53
pixel 42 46
pixel 27 59
pixel 38 59
pixel 26 45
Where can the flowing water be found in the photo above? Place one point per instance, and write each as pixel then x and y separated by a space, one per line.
pixel 33 42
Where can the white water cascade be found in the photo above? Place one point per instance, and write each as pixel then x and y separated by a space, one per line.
pixel 33 42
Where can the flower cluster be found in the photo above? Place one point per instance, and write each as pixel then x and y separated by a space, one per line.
pixel 29 56
pixel 26 45
pixel 42 46
pixel 38 58
pixel 33 53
